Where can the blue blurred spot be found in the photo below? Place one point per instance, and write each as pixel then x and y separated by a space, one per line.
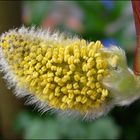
pixel 109 4
pixel 108 42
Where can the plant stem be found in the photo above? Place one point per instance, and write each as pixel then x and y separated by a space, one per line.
pixel 136 12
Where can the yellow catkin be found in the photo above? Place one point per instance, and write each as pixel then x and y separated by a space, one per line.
pixel 66 76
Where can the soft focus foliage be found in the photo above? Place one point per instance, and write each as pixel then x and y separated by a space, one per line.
pixel 59 127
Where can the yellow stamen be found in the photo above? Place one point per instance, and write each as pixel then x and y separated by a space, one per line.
pixel 65 75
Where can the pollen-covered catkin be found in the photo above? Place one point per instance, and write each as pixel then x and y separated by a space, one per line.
pixel 65 74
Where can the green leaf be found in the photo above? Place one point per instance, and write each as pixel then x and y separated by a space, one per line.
pixel 104 128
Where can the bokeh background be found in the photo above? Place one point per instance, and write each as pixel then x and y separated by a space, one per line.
pixel 109 21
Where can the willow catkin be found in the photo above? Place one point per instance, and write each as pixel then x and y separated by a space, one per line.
pixel 61 73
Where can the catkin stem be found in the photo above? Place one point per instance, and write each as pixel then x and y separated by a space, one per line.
pixel 136 12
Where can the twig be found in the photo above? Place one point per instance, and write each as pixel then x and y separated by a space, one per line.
pixel 136 12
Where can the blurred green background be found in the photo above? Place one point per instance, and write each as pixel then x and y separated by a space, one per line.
pixel 109 21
